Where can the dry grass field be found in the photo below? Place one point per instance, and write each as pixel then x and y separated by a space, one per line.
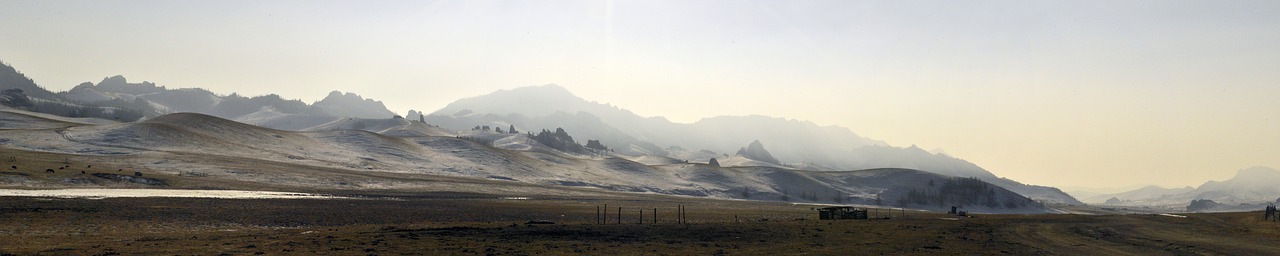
pixel 442 215
pixel 472 224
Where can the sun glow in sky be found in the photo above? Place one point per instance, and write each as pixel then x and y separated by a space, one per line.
pixel 1060 93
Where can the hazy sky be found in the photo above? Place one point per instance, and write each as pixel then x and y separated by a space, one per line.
pixel 1062 93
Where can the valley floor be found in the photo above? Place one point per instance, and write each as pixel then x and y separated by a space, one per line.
pixel 476 224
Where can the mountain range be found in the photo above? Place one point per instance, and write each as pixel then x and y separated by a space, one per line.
pixel 1250 186
pixel 191 150
pixel 820 153
pixel 794 143
pixel 116 98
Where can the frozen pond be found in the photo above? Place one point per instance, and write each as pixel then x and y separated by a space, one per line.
pixel 112 193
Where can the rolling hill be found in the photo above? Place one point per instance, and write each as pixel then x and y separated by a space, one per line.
pixel 206 143
pixel 347 131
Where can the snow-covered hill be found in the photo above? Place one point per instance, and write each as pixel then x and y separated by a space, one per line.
pixel 341 117
pixel 385 146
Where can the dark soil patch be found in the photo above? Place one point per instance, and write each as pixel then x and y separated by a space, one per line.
pixel 131 179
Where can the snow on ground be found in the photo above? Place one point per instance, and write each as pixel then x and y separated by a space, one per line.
pixel 393 127
pixel 653 160
pixel 518 142
pixel 271 118
pixel 17 119
pixel 699 156
pixel 190 144
pixel 12 120
pixel 115 193
pixel 731 161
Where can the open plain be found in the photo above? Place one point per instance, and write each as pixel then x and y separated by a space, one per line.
pixel 445 215
pixel 477 224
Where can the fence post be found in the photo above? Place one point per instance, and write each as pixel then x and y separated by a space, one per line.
pixel 679 214
pixel 683 218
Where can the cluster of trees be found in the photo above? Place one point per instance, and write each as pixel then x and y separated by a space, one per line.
pixel 510 130
pixel 15 98
pixel 595 144
pixel 961 192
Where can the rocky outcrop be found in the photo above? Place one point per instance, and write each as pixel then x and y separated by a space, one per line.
pixel 352 105
pixel 756 151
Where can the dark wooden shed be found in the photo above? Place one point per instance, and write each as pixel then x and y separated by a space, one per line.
pixel 842 213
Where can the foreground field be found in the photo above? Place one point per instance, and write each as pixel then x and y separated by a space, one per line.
pixel 472 224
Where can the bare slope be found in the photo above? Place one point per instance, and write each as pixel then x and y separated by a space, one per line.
pixel 16 119
pixel 389 126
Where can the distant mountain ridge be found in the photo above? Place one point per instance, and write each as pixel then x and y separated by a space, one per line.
pixel 792 143
pixel 19 91
pixel 1146 193
pixel 796 143
pixel 116 98
pixel 10 78
pixel 539 101
pixel 1253 185
pixel 352 105
pixel 163 101
pixel 720 134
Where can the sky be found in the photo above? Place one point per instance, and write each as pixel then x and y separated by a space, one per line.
pixel 1061 93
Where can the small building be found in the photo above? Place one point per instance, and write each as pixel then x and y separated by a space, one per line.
pixel 842 213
